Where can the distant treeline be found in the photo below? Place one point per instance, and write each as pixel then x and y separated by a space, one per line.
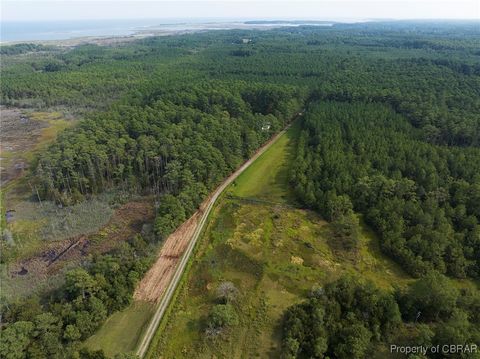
pixel 428 71
pixel 18 49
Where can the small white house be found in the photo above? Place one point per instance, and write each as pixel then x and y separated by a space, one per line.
pixel 266 127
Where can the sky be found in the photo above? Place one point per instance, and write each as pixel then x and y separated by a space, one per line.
pixel 40 10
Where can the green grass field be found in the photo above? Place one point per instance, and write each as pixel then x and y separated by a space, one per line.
pixel 267 178
pixel 274 254
pixel 122 330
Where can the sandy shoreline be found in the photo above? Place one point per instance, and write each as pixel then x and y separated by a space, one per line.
pixel 161 30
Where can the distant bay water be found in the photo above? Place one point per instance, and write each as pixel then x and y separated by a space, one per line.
pixel 23 31
pixel 20 31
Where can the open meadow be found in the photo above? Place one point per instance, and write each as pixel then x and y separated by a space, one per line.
pixel 273 252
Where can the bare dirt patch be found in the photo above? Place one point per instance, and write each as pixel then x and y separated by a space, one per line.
pixel 154 283
pixel 56 255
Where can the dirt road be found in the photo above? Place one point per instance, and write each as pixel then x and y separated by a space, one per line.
pixel 161 280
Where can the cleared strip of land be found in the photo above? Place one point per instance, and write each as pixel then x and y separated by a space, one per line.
pixel 154 283
pixel 161 280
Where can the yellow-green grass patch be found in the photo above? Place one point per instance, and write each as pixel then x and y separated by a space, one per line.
pixel 274 256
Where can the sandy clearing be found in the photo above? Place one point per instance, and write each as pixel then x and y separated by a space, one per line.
pixel 153 284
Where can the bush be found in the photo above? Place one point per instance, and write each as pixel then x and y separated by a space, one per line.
pixel 222 316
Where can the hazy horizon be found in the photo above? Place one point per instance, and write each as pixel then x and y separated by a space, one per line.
pixel 175 20
pixel 339 10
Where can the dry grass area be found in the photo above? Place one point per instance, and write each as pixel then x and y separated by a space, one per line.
pixel 19 134
pixel 23 133
pixel 54 223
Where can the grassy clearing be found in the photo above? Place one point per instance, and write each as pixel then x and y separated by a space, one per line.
pixel 40 230
pixel 274 254
pixel 35 226
pixel 36 223
pixel 267 177
pixel 24 286
pixel 56 124
pixel 26 232
pixel 61 223
pixel 50 125
pixel 122 330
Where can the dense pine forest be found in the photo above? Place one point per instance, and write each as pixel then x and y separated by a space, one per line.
pixel 390 136
pixel 178 145
pixel 423 199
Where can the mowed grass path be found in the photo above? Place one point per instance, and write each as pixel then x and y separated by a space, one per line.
pixel 267 177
